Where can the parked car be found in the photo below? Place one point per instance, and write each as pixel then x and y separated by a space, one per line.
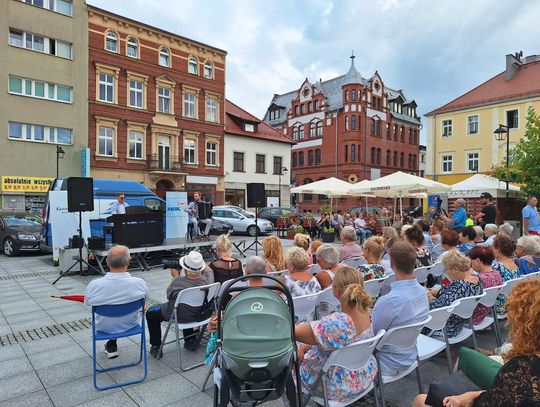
pixel 220 227
pixel 242 221
pixel 19 231
pixel 238 208
pixel 274 213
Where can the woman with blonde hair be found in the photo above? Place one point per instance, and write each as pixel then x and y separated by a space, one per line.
pixel 298 279
pixel 388 232
pixel 373 252
pixel 273 254
pixel 225 267
pixel 303 241
pixel 319 338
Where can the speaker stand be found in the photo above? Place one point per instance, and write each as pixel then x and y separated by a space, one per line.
pixel 255 243
pixel 79 261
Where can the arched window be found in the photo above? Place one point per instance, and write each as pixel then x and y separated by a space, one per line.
pixel 111 41
pixel 301 132
pixel 379 153
pixel 415 160
pixel 346 152
pixel 373 155
pixel 402 134
pixel 353 153
pixel 353 95
pixel 353 122
pixel 132 49
pixel 359 149
pixel 388 158
pixel 346 122
pixel 294 160
pixel 312 129
pixel 317 157
pixel 395 132
pixel 310 158
pixel 401 159
pixel 301 159
pixel 208 70
pixel 346 96
pixel 165 57
pixel 319 129
pixel 395 158
pixel 388 135
pixel 307 197
pixel 193 66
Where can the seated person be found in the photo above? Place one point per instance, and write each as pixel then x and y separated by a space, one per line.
pixel 373 252
pixel 116 287
pixel 503 250
pixel 349 248
pixel 466 239
pixel 273 254
pixel 406 303
pixel 526 248
pixel 328 260
pixel 195 273
pixel 436 230
pixel 298 279
pixel 506 229
pixel 464 284
pixel 303 241
pixel 479 235
pixel 449 239
pixel 361 227
pixel 425 231
pixel 388 232
pixel 319 338
pixel 415 236
pixel 256 265
pixel 313 249
pixel 225 267
pixel 518 381
pixel 490 233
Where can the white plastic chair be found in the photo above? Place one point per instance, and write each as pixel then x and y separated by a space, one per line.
pixel 489 301
pixel 354 262
pixel 327 301
pixel 373 287
pixel 304 307
pixel 352 357
pixel 194 297
pixel 402 338
pixel 436 251
pixel 465 309
pixel 386 288
pixel 532 275
pixel 510 284
pixel 421 273
pixel 437 269
pixel 314 269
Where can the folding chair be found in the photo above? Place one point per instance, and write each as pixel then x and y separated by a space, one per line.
pixel 304 307
pixel 314 269
pixel 402 338
pixel 533 275
pixel 510 284
pixel 386 287
pixel 489 301
pixel 327 301
pixel 201 296
pixel 351 357
pixel 354 262
pixel 373 287
pixel 436 251
pixel 437 269
pixel 115 311
pixel 465 309
pixel 421 273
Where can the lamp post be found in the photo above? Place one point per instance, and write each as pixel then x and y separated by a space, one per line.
pixel 59 154
pixel 282 171
pixel 502 133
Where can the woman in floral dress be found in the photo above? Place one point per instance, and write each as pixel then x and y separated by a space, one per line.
pixel 298 280
pixel 503 250
pixel 373 252
pixel 319 338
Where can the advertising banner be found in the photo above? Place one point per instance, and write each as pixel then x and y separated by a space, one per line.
pixel 176 218
pixel 25 184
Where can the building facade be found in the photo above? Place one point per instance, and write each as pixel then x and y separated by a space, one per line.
pixel 156 107
pixel 422 161
pixel 43 77
pixel 347 127
pixel 255 152
pixel 460 138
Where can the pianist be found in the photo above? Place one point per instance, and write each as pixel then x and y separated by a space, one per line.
pixel 119 207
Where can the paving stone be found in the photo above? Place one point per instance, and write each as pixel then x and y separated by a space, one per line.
pixel 52 343
pixel 199 399
pixel 19 385
pixel 79 391
pixel 55 357
pixel 38 398
pixel 11 352
pixel 162 391
pixel 118 399
pixel 14 366
pixel 65 372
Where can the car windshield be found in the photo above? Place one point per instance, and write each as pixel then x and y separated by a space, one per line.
pixel 21 220
pixel 246 214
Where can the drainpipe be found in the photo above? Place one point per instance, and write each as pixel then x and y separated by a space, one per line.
pixel 337 149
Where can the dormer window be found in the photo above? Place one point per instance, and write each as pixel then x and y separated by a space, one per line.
pixel 274 114
pixel 250 127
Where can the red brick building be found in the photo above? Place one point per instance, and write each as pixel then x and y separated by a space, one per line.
pixel 347 127
pixel 156 106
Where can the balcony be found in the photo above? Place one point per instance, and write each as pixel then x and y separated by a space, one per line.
pixel 160 163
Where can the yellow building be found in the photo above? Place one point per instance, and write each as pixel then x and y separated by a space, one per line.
pixel 460 138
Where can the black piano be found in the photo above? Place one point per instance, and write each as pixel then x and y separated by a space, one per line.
pixel 137 229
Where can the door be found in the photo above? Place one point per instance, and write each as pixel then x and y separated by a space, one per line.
pixel 236 220
pixel 164 153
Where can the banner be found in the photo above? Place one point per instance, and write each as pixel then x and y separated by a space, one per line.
pixel 85 162
pixel 25 184
pixel 176 218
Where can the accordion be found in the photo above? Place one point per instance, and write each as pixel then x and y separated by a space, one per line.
pixel 204 210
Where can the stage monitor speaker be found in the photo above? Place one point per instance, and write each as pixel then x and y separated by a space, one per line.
pixel 256 195
pixel 80 194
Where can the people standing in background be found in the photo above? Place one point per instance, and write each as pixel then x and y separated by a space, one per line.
pixel 488 214
pixel 119 207
pixel 531 223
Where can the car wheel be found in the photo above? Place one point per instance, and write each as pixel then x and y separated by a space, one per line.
pixel 252 230
pixel 9 247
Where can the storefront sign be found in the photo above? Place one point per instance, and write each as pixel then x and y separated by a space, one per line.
pixel 25 184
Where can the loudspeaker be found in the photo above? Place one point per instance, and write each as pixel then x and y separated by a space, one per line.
pixel 75 242
pixel 80 194
pixel 256 195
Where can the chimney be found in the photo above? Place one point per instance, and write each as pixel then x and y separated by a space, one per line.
pixel 513 62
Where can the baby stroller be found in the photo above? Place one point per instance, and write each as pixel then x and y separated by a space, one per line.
pixel 256 352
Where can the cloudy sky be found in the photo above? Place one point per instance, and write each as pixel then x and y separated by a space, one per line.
pixel 434 50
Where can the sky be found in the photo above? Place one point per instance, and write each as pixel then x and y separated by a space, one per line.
pixel 435 50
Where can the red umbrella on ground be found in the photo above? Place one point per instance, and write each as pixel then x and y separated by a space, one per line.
pixel 76 298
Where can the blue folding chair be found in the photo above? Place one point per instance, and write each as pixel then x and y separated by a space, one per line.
pixel 113 311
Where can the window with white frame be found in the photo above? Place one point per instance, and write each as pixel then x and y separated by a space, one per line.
pixel 189 105
pixel 164 100
pixel 135 145
pixel 111 41
pixel 38 133
pixel 211 110
pixel 249 127
pixel 40 43
pixel 59 6
pixel 165 57
pixel 132 48
pixel 106 87
pixel 106 141
pixel 446 163
pixel 208 70
pixel 447 128
pixel 295 133
pixel 193 66
pixel 319 129
pixel 473 161
pixel 301 132
pixel 312 130
pixel 512 119
pixel 189 151
pixel 211 153
pixel 136 93
pixel 38 89
pixel 472 124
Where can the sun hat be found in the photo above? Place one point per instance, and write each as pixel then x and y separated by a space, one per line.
pixel 193 262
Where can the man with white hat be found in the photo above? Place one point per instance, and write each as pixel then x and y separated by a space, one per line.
pixel 195 273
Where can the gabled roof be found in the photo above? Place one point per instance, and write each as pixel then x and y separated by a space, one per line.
pixel 235 116
pixel 524 83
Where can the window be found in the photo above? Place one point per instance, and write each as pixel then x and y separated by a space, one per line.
pixel 260 163
pixel 312 130
pixel 189 151
pixel 353 153
pixel 372 127
pixel 106 141
pixel 346 122
pixel 302 108
pixel 38 133
pixel 51 91
pixel 136 89
pixel 409 161
pixel 193 66
pixel 410 135
pixel 211 110
pixel 189 105
pixel 238 162
pixel 208 70
pixel 39 43
pixel 388 158
pixel 301 132
pixel 310 107
pixel 358 152
pixel 296 110
pixel 132 48
pixel 294 159
pixel 165 95
pixel 373 155
pixel 401 160
pixel 135 146
pixel 415 158
pixel 472 124
pixel 512 119
pixel 111 41
pixel 447 128
pixel 353 122
pixel 446 163
pixel 35 42
pixel 396 132
pixel 316 105
pixel 388 132
pixel 16 38
pixel 310 158
pixel 211 153
pixel 379 153
pixel 353 95
pixel 402 134
pixel 106 87
pixel 473 160
pixel 249 127
pixel 346 152
pixel 346 96
pixel 317 157
pixel 165 57
pixel 61 49
pixel 295 133
pixel 301 159
pixel 275 114
pixel 319 129
pixel 59 6
pixel 395 159
pixel 278 165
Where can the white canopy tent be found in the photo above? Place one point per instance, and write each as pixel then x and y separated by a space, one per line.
pixel 473 186
pixel 329 186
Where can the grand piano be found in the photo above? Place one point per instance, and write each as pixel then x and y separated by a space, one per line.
pixel 137 228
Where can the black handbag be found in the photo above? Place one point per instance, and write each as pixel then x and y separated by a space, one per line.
pixel 454 385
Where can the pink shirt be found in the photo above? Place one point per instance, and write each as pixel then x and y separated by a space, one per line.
pixel 348 250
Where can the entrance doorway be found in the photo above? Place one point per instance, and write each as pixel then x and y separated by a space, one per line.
pixel 162 186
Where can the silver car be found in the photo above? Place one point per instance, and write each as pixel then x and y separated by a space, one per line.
pixel 241 220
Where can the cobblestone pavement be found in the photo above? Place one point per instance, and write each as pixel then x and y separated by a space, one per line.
pixel 46 347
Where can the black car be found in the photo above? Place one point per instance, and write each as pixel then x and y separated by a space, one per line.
pixel 19 231
pixel 273 214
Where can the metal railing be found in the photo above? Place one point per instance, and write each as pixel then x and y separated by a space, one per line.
pixel 170 163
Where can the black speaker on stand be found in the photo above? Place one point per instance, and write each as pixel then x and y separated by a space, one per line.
pixel 80 193
pixel 256 198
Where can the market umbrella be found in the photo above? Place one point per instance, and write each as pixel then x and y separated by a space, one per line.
pixel 473 186
pixel 329 186
pixel 76 298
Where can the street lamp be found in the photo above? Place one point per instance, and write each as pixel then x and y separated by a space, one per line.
pixel 502 133
pixel 282 171
pixel 59 154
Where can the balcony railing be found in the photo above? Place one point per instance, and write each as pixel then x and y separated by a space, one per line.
pixel 156 162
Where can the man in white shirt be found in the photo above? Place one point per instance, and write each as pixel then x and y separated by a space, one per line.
pixel 116 287
pixel 119 207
